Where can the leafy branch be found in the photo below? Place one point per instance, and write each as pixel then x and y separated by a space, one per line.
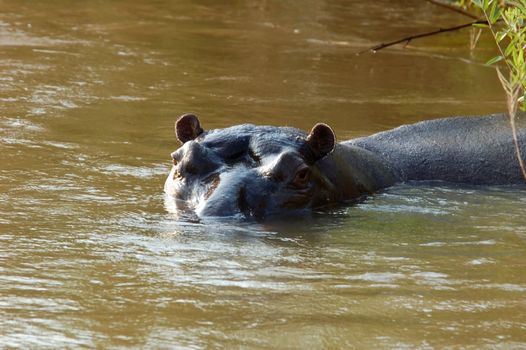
pixel 506 20
pixel 510 39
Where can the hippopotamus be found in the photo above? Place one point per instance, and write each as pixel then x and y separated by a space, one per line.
pixel 257 172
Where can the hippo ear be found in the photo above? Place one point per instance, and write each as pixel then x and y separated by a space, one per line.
pixel 321 140
pixel 187 127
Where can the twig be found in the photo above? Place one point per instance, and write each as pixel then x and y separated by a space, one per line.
pixel 503 55
pixel 418 36
pixel 453 8
pixel 474 37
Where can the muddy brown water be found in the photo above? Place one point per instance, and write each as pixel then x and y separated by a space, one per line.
pixel 91 258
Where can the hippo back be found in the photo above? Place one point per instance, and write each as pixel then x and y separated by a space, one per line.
pixel 472 150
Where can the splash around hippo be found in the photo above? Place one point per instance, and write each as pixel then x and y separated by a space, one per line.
pixel 250 171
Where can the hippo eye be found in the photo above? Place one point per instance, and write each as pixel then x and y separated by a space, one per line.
pixel 301 179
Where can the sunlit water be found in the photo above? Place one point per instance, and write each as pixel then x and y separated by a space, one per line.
pixel 90 256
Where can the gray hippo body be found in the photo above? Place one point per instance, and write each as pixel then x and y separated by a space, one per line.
pixel 260 171
pixel 469 150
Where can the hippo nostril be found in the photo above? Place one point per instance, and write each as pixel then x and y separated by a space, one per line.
pixel 255 211
pixel 242 201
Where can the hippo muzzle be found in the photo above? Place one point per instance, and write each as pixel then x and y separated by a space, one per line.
pixel 240 191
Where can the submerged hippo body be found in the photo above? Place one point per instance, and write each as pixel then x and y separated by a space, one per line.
pixel 260 171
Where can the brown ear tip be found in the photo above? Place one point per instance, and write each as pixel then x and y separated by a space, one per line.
pixel 322 130
pixel 321 125
pixel 187 127
pixel 187 117
pixel 321 140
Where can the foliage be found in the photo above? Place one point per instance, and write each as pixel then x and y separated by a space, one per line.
pixel 506 19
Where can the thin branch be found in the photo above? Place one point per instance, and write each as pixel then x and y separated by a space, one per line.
pixel 512 93
pixel 453 8
pixel 474 37
pixel 497 42
pixel 407 39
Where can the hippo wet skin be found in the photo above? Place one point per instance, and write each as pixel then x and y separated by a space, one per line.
pixel 255 171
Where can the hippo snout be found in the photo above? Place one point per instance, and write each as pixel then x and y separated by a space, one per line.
pixel 240 192
pixel 251 206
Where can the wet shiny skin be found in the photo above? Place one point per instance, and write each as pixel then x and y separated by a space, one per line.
pixel 91 258
pixel 248 171
pixel 261 171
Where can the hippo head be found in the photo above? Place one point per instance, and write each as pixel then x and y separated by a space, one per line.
pixel 249 171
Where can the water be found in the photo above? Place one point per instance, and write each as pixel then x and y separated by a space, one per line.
pixel 90 257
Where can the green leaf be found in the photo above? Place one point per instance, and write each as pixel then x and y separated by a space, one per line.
pixel 520 59
pixel 480 25
pixel 509 50
pixel 501 35
pixel 494 13
pixel 494 60
pixel 521 5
